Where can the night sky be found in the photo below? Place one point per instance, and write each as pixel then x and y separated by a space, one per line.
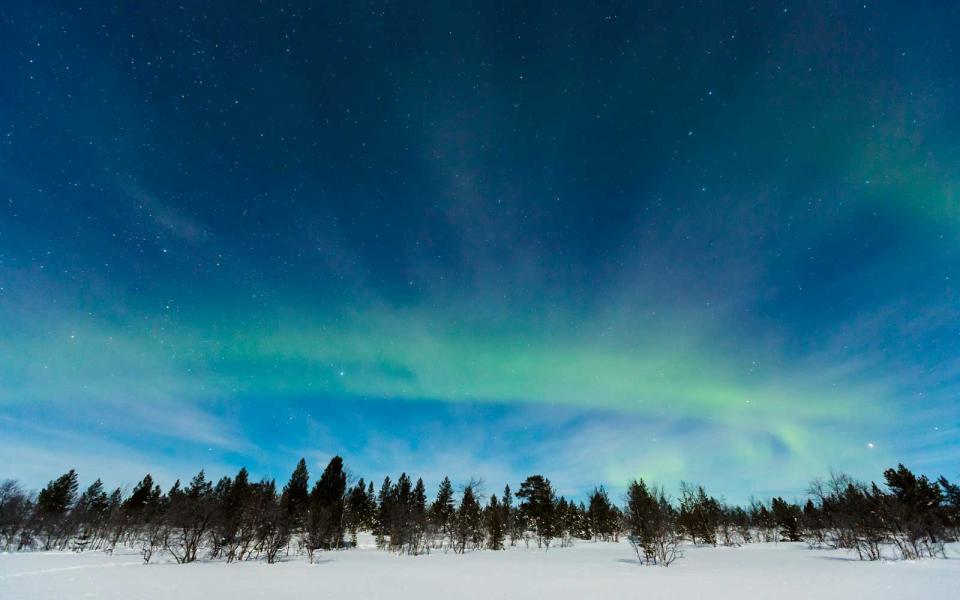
pixel 711 242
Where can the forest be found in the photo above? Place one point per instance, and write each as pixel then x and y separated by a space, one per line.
pixel 908 516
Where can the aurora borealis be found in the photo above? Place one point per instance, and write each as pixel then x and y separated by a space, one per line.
pixel 713 242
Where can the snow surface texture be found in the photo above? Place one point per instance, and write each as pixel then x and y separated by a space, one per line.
pixel 588 570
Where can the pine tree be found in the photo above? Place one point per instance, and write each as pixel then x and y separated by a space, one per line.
pixel 385 503
pixel 787 517
pixel 59 495
pixel 495 524
pixel 140 496
pixel 951 506
pixel 509 516
pixel 189 517
pixel 699 514
pixel 468 529
pixel 53 502
pixel 442 511
pixel 584 531
pixel 418 519
pixel 602 515
pixel 651 525
pixel 233 530
pixel 296 497
pixel 361 509
pixel 89 515
pixel 325 509
pixel 538 508
pixel 914 513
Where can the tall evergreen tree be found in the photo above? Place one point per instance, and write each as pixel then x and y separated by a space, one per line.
pixel 385 509
pixel 509 516
pixel 495 524
pixel 468 529
pixel 418 519
pixel 89 515
pixel 361 508
pixel 651 524
pixel 326 508
pixel 602 515
pixel 53 502
pixel 189 518
pixel 538 508
pixel 699 514
pixel 787 517
pixel 296 497
pixel 442 511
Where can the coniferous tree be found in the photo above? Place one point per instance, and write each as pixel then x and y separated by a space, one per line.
pixel 951 507
pixel 140 518
pixel 271 522
pixel 468 528
pixel 787 517
pixel 583 529
pixel 188 519
pixel 442 512
pixel 538 508
pixel 911 517
pixel 699 514
pixel 218 499
pixel 89 515
pixel 764 522
pixel 141 496
pixel 361 509
pixel 914 514
pixel 651 525
pixel 324 524
pixel 509 516
pixel 813 527
pixel 53 502
pixel 385 504
pixel 401 530
pixel 565 518
pixel 295 500
pixel 602 516
pixel 496 527
pixel 419 521
pixel 233 527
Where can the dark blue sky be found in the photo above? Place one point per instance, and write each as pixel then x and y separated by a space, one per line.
pixel 702 241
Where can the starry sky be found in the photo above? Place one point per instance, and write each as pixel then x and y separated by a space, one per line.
pixel 714 242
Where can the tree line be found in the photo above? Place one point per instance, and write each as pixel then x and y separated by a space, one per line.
pixel 236 519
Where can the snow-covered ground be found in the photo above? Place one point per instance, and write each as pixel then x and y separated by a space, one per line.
pixel 587 570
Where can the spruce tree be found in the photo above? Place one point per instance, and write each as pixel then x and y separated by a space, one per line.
pixel 495 524
pixel 360 509
pixel 468 530
pixel 140 496
pixel 418 519
pixel 787 517
pixel 232 526
pixel 509 516
pixel 53 502
pixel 296 496
pixel 651 525
pixel 442 511
pixel 94 499
pixel 385 505
pixel 326 508
pixel 602 515
pixel 89 514
pixel 538 508
pixel 59 495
